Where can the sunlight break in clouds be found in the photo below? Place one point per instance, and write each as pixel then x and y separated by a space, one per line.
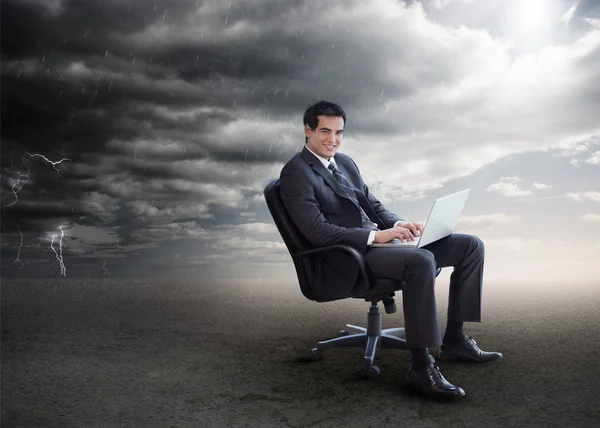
pixel 568 15
pixel 468 110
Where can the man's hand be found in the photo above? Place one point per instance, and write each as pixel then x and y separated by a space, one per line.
pixel 415 228
pixel 387 235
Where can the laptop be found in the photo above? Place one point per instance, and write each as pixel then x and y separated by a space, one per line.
pixel 440 223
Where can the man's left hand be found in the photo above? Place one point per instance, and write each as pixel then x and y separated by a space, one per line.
pixel 415 228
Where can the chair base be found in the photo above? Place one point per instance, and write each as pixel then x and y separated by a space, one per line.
pixel 370 338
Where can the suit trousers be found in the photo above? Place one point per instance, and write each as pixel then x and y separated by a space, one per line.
pixel 415 268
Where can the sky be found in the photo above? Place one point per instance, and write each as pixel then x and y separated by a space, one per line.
pixel 138 136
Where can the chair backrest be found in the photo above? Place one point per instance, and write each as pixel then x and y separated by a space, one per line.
pixel 292 238
pixel 296 242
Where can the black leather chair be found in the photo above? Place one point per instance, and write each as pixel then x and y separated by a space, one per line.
pixel 369 338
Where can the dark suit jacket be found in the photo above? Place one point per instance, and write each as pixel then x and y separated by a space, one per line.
pixel 322 211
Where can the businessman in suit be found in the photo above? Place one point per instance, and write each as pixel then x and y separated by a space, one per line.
pixel 329 202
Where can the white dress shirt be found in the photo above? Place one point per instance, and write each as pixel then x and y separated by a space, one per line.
pixel 326 163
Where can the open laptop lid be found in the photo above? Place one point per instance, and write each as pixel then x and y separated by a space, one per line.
pixel 443 217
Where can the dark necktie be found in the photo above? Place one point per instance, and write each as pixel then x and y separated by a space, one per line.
pixel 347 186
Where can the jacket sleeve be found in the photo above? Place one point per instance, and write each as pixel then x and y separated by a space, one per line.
pixel 298 196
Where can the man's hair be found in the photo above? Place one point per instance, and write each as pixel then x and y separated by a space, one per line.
pixel 322 108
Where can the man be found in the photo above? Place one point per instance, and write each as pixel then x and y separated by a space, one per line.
pixel 328 201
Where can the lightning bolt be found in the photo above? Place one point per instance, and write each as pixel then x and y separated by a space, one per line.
pixel 14 189
pixel 59 256
pixel 19 252
pixel 104 267
pixel 49 161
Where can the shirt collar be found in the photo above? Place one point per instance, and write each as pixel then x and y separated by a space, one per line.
pixel 324 161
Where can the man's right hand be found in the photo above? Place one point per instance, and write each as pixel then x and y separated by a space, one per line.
pixel 387 235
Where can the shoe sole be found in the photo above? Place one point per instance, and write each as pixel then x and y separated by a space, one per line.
pixel 416 387
pixel 455 358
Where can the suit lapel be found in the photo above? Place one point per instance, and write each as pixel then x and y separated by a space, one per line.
pixel 332 182
pixel 323 172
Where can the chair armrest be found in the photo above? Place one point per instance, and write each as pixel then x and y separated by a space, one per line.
pixel 360 260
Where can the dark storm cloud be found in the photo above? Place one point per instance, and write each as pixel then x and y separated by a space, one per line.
pixel 82 28
pixel 39 218
pixel 94 73
pixel 34 213
pixel 235 74
pixel 44 106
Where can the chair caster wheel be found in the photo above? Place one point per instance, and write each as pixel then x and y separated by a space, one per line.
pixel 315 354
pixel 373 372
pixel 343 333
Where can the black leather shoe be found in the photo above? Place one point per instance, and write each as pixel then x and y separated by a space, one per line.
pixel 467 350
pixel 431 382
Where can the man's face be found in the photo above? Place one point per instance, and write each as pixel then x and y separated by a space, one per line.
pixel 326 139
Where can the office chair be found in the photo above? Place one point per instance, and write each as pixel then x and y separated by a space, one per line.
pixel 369 338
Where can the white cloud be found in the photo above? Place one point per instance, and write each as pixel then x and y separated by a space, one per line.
pixel 442 4
pixel 491 98
pixel 590 217
pixel 508 186
pixel 594 159
pixel 541 186
pixel 574 148
pixel 579 155
pixel 582 196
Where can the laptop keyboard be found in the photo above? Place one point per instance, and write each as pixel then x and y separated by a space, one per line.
pixel 405 242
